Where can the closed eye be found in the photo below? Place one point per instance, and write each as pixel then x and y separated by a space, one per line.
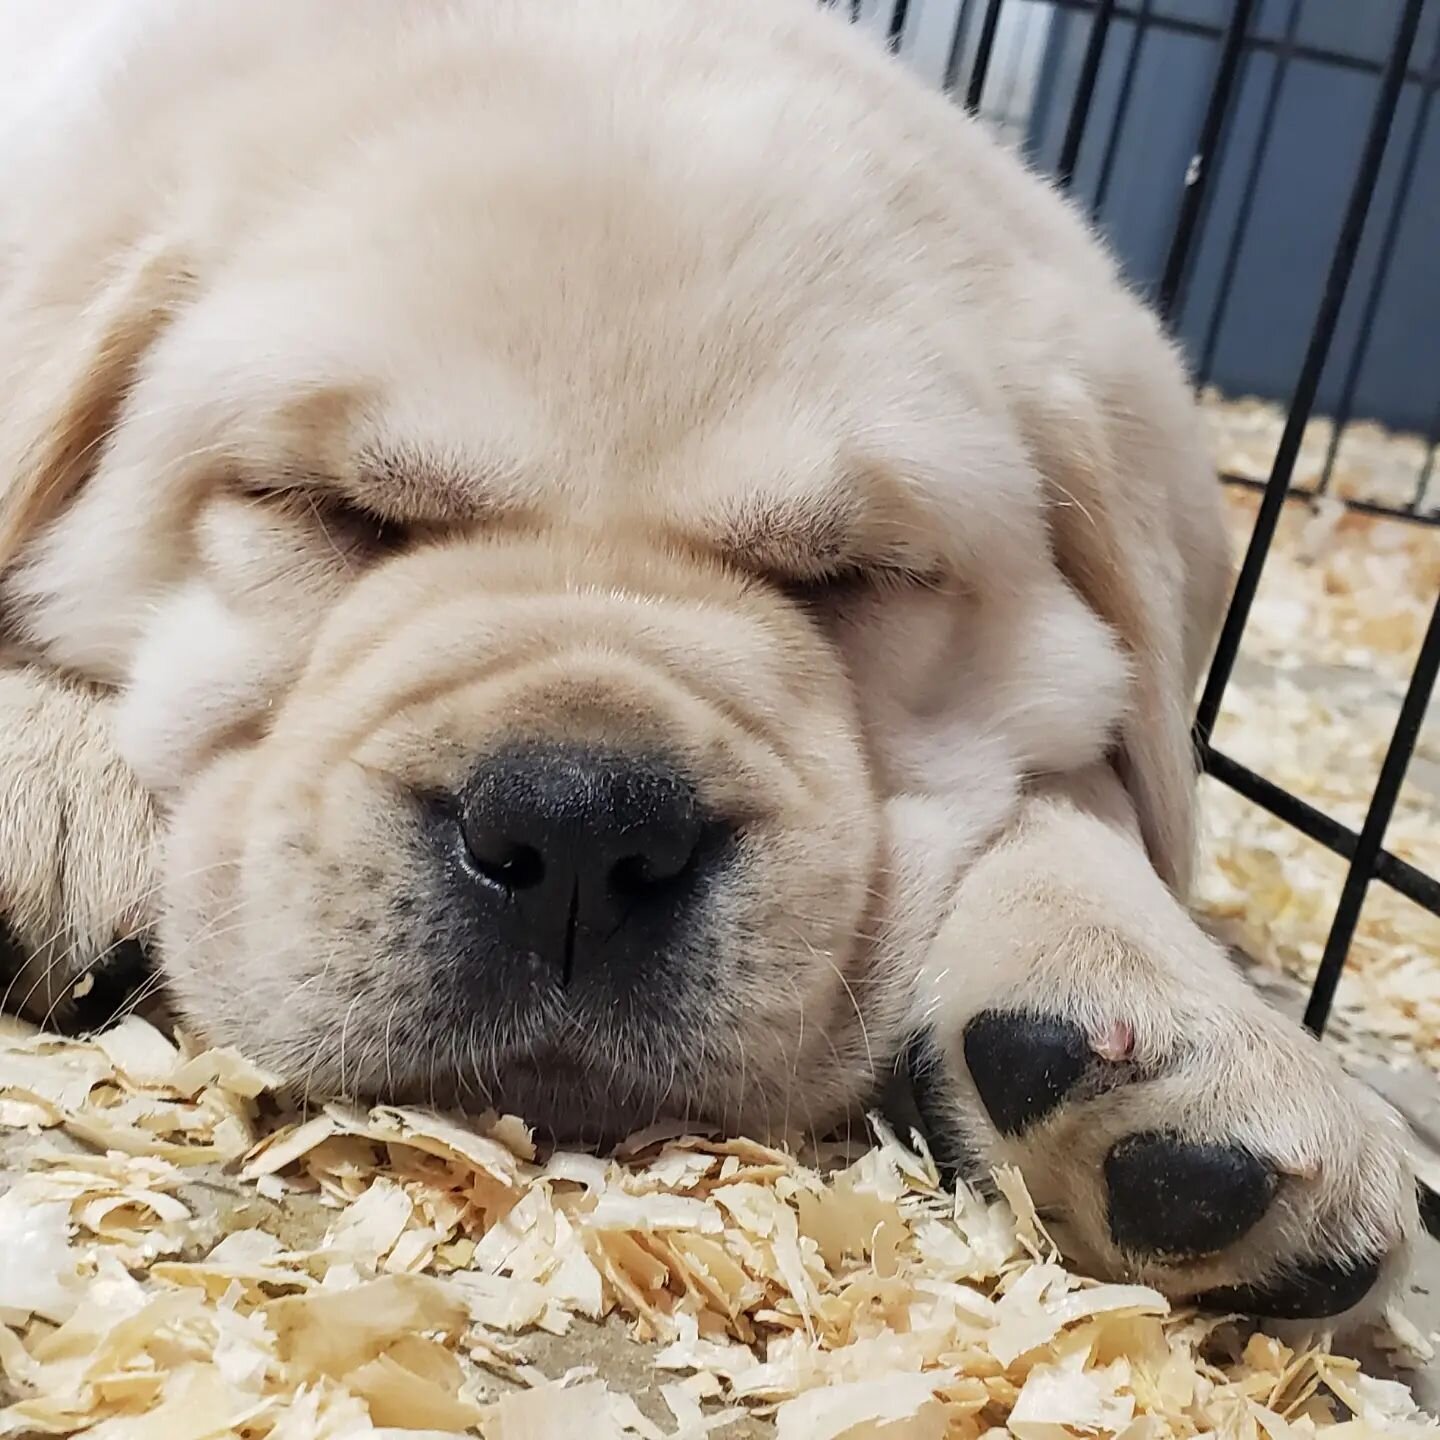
pixel 351 524
pixel 350 528
pixel 848 580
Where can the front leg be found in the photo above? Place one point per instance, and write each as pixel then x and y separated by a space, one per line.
pixel 77 854
pixel 1178 1130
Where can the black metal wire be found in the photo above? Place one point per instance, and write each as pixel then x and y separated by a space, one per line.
pixel 984 49
pixel 1345 406
pixel 1204 162
pixel 1409 514
pixel 1249 192
pixel 1341 265
pixel 1084 93
pixel 1377 820
pixel 1121 112
pixel 1390 869
pixel 1002 110
pixel 1430 1210
pixel 897 25
pixel 1257 43
pixel 1422 486
pixel 955 57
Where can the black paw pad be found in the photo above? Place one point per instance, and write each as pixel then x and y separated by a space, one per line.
pixel 932 1094
pixel 1319 1290
pixel 108 987
pixel 1024 1065
pixel 1176 1197
pixel 12 957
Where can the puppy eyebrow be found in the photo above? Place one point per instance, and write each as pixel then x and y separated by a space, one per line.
pixel 826 538
pixel 792 535
pixel 431 485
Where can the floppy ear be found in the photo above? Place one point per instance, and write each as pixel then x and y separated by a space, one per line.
pixel 1136 527
pixel 68 372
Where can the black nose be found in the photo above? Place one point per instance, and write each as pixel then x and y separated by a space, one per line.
pixel 597 857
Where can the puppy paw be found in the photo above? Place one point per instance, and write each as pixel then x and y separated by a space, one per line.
pixel 77 856
pixel 1213 1150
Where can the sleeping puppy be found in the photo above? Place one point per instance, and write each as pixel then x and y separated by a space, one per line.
pixel 616 561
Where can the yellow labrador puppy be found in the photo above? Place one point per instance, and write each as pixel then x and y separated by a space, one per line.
pixel 630 561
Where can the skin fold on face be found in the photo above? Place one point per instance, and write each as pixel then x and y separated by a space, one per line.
pixel 578 832
pixel 600 761
pixel 579 611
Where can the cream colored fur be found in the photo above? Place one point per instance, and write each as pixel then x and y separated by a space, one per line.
pixel 734 395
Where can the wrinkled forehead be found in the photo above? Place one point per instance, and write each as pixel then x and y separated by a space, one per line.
pixel 793 416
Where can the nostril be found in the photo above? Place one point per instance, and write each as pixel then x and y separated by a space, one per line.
pixel 635 874
pixel 583 855
pixel 665 854
pixel 507 862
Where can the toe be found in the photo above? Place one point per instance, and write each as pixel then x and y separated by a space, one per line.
pixel 1179 1198
pixel 1024 1065
pixel 933 1094
pixel 12 957
pixel 108 986
pixel 1313 1292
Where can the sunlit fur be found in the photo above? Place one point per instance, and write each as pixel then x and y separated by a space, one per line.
pixel 721 392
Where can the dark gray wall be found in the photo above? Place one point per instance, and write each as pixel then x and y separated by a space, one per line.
pixel 1257 277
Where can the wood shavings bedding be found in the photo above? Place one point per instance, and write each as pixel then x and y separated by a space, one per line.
pixel 1384 467
pixel 1327 653
pixel 863 1301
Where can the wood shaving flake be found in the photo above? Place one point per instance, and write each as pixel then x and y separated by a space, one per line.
pixel 861 1302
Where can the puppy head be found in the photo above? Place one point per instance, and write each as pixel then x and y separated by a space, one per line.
pixel 579 829
pixel 577 640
